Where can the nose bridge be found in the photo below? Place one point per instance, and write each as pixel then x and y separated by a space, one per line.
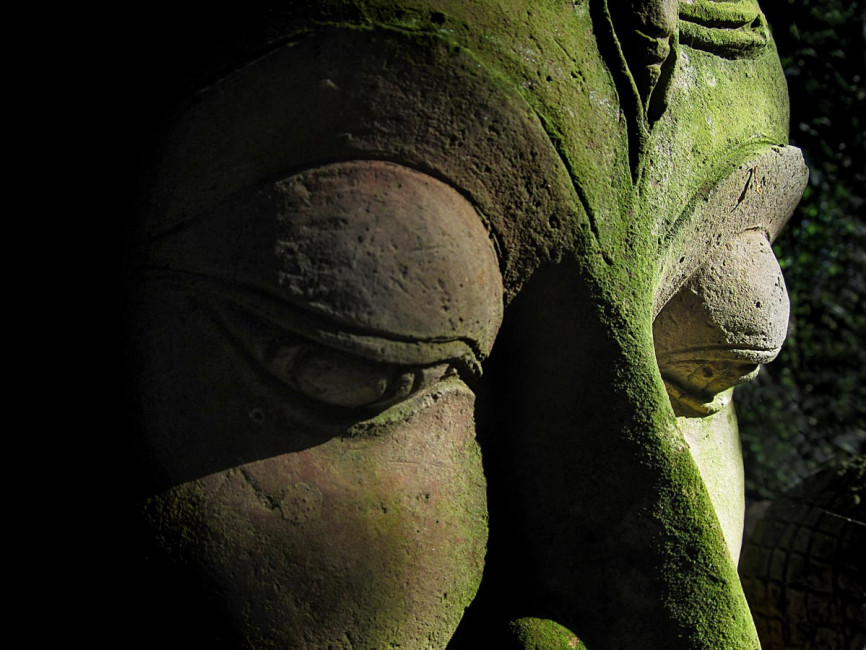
pixel 599 519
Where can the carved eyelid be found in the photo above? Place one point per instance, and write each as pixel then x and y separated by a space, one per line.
pixel 732 29
pixel 325 374
pixel 381 248
pixel 377 281
pixel 322 361
pixel 246 310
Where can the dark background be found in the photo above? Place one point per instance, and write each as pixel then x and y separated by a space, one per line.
pixel 808 407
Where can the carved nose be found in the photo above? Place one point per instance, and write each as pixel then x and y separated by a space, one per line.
pixel 729 319
pixel 600 526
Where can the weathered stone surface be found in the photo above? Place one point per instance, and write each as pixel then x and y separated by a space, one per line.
pixel 803 568
pixel 729 318
pixel 336 228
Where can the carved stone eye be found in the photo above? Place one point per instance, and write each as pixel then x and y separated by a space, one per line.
pixel 347 381
pixel 330 376
pixel 355 284
pixel 728 319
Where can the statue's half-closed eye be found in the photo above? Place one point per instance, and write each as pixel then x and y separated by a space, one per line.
pixel 329 376
pixel 386 281
pixel 729 318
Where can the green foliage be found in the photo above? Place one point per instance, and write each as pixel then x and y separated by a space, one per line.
pixel 809 406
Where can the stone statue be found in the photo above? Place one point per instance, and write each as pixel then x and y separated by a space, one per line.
pixel 369 201
pixel 804 570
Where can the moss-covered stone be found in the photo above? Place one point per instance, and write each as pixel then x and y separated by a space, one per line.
pixel 602 190
pixel 541 634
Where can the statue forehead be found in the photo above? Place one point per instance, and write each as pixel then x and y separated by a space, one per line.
pixel 541 115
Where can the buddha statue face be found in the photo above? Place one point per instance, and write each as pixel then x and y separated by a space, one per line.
pixel 439 307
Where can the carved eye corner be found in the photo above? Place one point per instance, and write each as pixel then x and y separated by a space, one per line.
pixel 727 320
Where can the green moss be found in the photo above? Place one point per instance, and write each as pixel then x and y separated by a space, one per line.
pixel 541 634
pixel 547 57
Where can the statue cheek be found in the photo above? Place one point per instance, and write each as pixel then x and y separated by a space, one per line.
pixel 382 536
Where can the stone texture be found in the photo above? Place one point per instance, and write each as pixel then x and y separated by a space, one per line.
pixel 340 223
pixel 803 568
